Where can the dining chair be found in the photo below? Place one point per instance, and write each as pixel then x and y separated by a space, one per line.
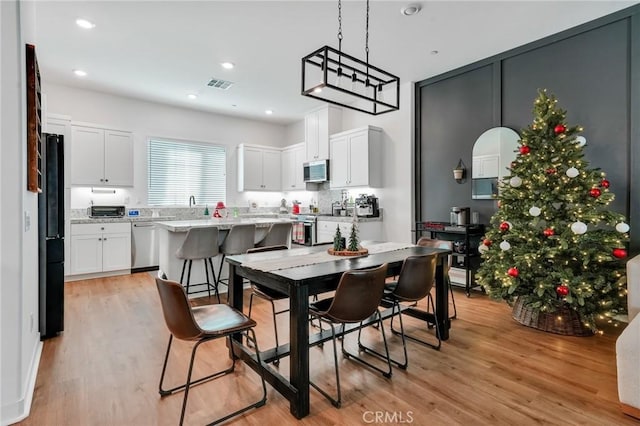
pixel 443 244
pixel 239 239
pixel 200 244
pixel 357 298
pixel 415 282
pixel 279 234
pixel 202 324
pixel 268 294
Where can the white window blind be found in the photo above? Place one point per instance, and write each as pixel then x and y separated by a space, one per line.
pixel 179 169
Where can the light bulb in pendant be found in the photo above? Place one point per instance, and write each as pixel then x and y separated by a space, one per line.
pixel 354 83
pixel 339 78
pixel 380 95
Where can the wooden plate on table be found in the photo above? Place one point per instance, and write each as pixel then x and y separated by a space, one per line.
pixel 360 252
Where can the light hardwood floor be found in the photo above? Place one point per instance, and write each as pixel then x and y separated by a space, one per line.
pixel 104 370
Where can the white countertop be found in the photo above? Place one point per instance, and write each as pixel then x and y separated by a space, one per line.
pixel 185 225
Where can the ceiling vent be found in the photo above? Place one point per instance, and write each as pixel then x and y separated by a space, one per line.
pixel 219 84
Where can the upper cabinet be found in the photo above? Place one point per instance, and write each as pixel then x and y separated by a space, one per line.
pixel 258 168
pixel 485 166
pixel 101 157
pixel 318 125
pixel 356 158
pixel 292 173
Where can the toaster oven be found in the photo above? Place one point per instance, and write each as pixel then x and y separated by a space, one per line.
pixel 106 211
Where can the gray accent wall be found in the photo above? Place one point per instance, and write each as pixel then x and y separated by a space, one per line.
pixel 593 70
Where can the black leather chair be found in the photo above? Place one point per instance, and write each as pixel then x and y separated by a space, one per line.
pixel 202 324
pixel 356 299
pixel 444 244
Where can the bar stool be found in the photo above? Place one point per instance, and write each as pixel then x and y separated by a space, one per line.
pixel 279 235
pixel 240 239
pixel 200 244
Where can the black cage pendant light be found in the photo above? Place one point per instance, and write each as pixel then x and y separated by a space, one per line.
pixel 335 77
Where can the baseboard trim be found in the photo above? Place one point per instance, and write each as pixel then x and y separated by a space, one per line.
pixel 22 407
pixel 630 411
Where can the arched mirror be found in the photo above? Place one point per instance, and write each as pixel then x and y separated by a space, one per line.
pixel 493 152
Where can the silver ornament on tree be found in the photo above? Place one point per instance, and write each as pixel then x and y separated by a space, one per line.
pixel 572 172
pixel 535 211
pixel 579 228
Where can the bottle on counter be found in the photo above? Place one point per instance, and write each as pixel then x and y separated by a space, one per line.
pixel 206 210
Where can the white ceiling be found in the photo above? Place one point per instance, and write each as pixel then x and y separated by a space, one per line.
pixel 163 50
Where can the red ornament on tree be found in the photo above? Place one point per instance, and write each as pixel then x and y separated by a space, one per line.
pixel 620 253
pixel 487 242
pixel 595 192
pixel 504 226
pixel 604 183
pixel 562 290
pixel 560 128
pixel 548 232
pixel 524 149
pixel 551 171
pixel 513 272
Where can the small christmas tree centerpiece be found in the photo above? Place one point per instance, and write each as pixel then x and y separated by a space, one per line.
pixel 353 249
pixel 554 251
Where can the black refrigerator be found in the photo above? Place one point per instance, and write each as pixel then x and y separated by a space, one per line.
pixel 51 237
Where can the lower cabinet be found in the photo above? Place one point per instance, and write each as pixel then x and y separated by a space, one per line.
pixel 100 247
pixel 326 230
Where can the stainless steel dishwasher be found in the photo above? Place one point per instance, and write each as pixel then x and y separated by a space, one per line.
pixel 144 247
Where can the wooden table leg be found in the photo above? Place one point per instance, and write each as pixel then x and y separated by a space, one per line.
pixel 299 356
pixel 442 300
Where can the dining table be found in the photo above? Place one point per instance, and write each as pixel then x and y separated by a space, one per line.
pixel 307 271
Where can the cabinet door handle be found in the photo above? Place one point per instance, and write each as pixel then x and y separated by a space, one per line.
pixel 102 228
pixel 106 180
pixel 104 239
pixel 101 180
pixel 99 239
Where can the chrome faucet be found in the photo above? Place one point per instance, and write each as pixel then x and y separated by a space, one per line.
pixel 192 199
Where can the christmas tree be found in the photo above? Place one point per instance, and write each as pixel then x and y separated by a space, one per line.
pixel 353 238
pixel 553 243
pixel 338 243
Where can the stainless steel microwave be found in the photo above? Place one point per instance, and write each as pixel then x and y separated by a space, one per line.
pixel 316 171
pixel 484 188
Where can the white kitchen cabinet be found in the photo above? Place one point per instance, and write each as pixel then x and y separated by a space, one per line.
pixel 101 157
pixel 258 168
pixel 326 230
pixel 100 247
pixel 292 173
pixel 485 166
pixel 318 125
pixel 356 158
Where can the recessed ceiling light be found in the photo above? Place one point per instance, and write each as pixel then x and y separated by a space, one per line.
pixel 317 90
pixel 83 23
pixel 191 96
pixel 80 73
pixel 268 112
pixel 410 9
pixel 227 65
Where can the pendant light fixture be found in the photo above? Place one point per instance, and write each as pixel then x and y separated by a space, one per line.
pixel 341 79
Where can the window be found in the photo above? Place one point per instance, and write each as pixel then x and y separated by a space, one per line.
pixel 179 169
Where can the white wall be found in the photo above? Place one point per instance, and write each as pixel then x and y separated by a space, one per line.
pixel 295 133
pixel 396 195
pixel 18 246
pixel 147 119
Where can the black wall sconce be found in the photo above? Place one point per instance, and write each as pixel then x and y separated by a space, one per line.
pixel 460 172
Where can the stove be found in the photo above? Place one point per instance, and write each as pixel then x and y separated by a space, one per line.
pixel 305 230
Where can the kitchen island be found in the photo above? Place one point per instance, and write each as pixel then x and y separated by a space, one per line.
pixel 171 235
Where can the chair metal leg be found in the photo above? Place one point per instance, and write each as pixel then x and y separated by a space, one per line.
pixel 215 280
pixel 257 404
pixel 206 274
pixel 184 264
pixel 453 300
pixel 348 354
pixel 335 402
pixel 219 279
pixel 415 339
pixel 216 375
pixel 189 275
pixel 402 365
pixel 275 330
